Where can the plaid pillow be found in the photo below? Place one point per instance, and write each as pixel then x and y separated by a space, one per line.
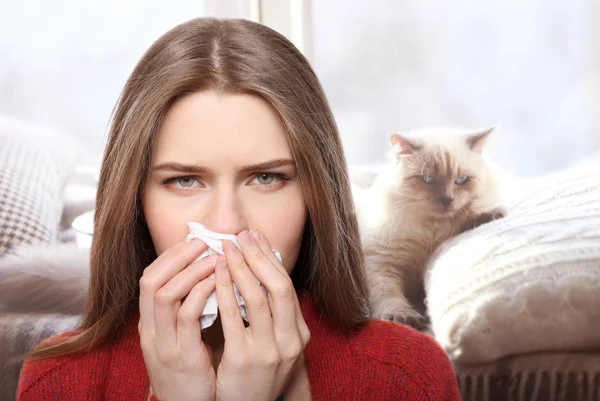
pixel 35 164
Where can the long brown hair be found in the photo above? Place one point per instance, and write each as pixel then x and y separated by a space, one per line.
pixel 229 56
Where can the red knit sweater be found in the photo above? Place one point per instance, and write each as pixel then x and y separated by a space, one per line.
pixel 384 361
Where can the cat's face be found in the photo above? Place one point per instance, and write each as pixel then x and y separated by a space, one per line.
pixel 444 176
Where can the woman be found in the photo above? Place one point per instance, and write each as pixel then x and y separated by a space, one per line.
pixel 223 122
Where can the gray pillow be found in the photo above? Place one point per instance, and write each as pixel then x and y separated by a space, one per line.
pixel 19 334
pixel 35 163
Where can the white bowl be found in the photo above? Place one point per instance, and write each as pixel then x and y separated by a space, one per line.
pixel 84 229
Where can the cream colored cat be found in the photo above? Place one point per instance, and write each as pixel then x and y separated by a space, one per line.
pixel 437 185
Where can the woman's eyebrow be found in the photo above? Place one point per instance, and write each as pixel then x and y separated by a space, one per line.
pixel 181 168
pixel 197 169
pixel 271 164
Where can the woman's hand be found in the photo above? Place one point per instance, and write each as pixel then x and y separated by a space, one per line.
pixel 259 360
pixel 178 362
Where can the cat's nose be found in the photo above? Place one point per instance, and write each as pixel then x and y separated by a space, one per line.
pixel 445 200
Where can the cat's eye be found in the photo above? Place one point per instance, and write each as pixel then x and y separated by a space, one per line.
pixel 461 180
pixel 427 179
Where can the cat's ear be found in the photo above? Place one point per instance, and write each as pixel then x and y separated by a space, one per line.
pixel 477 141
pixel 403 145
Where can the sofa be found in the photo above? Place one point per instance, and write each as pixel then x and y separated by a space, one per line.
pixel 515 303
pixel 45 184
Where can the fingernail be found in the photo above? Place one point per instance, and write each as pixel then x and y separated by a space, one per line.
pixel 230 246
pixel 245 237
pixel 221 262
pixel 212 258
pixel 256 235
pixel 222 259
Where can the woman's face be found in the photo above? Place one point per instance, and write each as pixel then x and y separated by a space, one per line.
pixel 223 161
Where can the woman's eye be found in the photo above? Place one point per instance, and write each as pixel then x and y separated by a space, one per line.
pixel 461 180
pixel 427 179
pixel 185 182
pixel 268 179
pixel 265 179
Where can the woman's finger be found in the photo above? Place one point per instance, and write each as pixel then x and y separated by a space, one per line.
pixel 231 319
pixel 264 245
pixel 188 316
pixel 163 255
pixel 268 251
pixel 279 286
pixel 147 319
pixel 255 297
pixel 162 270
pixel 169 297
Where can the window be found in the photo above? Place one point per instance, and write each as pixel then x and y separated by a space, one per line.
pixel 64 62
pixel 530 68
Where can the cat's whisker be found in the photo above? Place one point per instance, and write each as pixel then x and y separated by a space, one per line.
pixel 407 196
pixel 403 194
pixel 424 167
pixel 407 205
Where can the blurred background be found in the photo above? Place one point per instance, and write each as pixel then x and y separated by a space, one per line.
pixel 532 68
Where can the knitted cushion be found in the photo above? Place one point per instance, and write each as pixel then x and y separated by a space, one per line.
pixel 529 282
pixel 35 163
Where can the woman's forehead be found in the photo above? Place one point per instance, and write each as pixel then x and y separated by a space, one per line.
pixel 210 128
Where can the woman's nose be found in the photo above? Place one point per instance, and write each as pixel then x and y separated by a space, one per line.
pixel 224 213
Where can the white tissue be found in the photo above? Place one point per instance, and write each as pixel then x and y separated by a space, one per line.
pixel 214 241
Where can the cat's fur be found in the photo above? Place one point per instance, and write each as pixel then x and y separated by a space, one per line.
pixel 403 218
pixel 44 279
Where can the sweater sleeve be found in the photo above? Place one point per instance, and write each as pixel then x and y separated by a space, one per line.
pixel 436 372
pixel 411 365
pixel 63 378
pixel 68 377
pixel 40 378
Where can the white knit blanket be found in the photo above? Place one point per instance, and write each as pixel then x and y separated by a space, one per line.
pixel 528 282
